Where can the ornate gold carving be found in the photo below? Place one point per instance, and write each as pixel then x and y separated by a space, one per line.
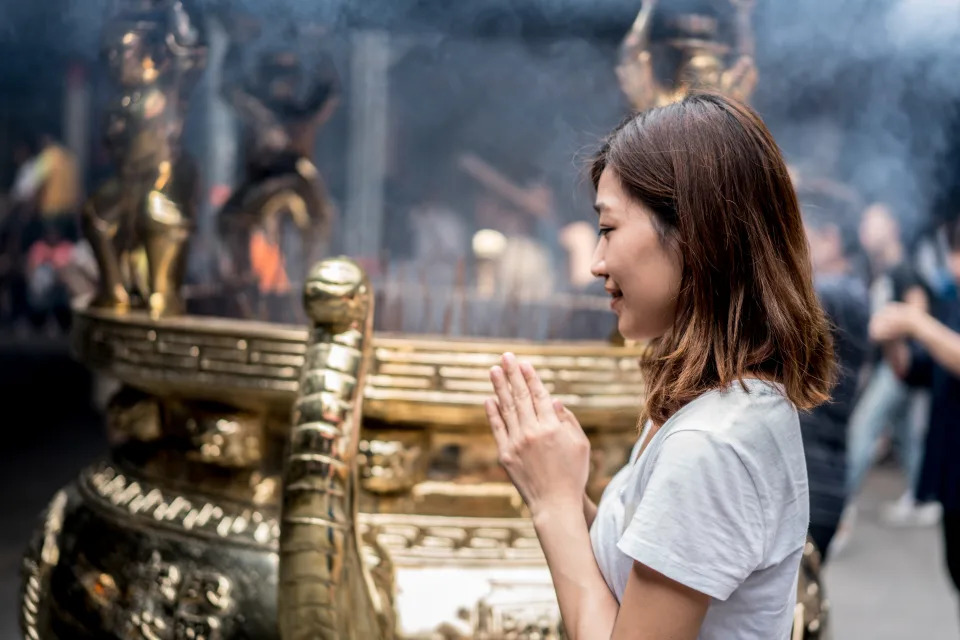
pixel 101 588
pixel 812 610
pixel 413 380
pixel 230 439
pixel 704 61
pixel 392 543
pixel 326 591
pixel 515 611
pixel 416 540
pixel 170 601
pixel 108 488
pixel 408 539
pixel 392 466
pixel 37 566
pixel 133 414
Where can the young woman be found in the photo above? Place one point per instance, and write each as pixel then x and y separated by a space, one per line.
pixel 703 251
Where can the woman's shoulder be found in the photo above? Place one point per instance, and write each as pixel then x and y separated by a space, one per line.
pixel 753 430
pixel 748 415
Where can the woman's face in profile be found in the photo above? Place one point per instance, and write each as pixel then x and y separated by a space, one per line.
pixel 640 272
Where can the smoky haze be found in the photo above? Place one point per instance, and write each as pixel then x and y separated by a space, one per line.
pixel 864 91
pixel 867 92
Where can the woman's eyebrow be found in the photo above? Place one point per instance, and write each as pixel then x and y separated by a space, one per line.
pixel 600 207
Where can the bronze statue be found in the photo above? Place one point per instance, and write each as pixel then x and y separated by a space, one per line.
pixel 282 96
pixel 693 52
pixel 138 222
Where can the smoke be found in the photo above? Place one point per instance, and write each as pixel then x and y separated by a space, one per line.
pixel 57 27
pixel 525 107
pixel 862 91
pixel 865 91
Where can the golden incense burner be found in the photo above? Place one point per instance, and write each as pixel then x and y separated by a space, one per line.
pixel 216 515
pixel 211 503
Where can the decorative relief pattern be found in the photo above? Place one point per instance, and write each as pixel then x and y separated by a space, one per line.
pixel 439 374
pixel 30 599
pixel 217 353
pixel 37 566
pixel 407 538
pixel 407 373
pixel 413 539
pixel 108 487
pixel 173 602
pixel 513 611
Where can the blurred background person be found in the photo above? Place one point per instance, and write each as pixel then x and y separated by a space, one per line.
pixel 27 178
pixel 579 239
pixel 526 216
pixel 47 293
pixel 888 406
pixel 923 348
pixel 440 243
pixel 46 196
pixel 58 190
pixel 828 220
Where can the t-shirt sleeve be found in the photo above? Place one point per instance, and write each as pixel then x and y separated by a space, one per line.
pixel 700 519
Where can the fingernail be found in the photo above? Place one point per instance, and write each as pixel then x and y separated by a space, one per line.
pixel 508 358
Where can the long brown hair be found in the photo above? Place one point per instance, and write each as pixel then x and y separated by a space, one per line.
pixel 717 184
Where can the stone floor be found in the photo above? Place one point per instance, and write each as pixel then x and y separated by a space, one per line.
pixel 890 584
pixel 887 584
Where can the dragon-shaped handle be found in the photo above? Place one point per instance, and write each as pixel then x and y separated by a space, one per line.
pixel 325 591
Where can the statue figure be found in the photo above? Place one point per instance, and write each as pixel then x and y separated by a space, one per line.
pixel 138 222
pixel 692 49
pixel 282 94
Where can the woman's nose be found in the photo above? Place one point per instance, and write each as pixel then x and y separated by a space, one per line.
pixel 598 266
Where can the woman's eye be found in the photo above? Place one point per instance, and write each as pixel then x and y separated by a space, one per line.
pixel 604 231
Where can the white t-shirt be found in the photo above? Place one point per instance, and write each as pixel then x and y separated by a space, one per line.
pixel 718 501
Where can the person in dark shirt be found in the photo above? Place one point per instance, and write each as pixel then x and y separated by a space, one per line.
pixel 887 405
pixel 924 349
pixel 844 298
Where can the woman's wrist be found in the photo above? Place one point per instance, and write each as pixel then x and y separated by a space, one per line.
pixel 589 509
pixel 565 511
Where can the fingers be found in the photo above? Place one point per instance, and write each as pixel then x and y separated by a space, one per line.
pixel 505 401
pixel 522 399
pixel 542 402
pixel 497 425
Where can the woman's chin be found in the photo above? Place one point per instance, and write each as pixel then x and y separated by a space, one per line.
pixel 637 334
pixel 628 332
